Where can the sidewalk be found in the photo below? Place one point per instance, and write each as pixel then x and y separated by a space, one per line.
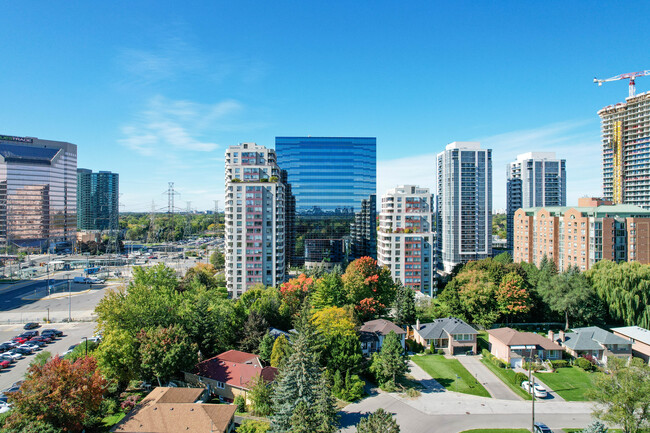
pixel 493 384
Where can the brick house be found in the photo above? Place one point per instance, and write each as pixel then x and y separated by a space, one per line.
pixel 513 346
pixel 229 374
pixel 452 335
pixel 173 410
pixel 372 335
pixel 640 339
pixel 594 342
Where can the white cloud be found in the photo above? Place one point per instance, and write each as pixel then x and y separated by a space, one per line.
pixel 577 142
pixel 176 125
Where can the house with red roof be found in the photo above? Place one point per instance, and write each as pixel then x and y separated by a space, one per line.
pixel 230 374
pixel 513 347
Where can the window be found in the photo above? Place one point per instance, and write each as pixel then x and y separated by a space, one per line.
pixel 221 385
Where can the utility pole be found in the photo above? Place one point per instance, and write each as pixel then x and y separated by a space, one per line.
pixel 69 301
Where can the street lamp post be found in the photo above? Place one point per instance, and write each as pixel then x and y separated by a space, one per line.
pixel 86 338
pixel 48 314
pixel 69 301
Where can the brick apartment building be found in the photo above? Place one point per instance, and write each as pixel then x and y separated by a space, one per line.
pixel 583 235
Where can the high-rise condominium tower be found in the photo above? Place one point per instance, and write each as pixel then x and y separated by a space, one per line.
pixel 255 218
pixel 406 239
pixel 98 196
pixel 465 203
pixel 38 187
pixel 330 178
pixel 626 151
pixel 534 179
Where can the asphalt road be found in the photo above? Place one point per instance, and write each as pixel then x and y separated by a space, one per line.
pixel 72 334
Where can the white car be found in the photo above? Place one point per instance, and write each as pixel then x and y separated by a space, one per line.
pixel 32 347
pixel 538 390
pixel 13 355
pixel 4 407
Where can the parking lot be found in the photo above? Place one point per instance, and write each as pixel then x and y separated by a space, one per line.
pixel 72 334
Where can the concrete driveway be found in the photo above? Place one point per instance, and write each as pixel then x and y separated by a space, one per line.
pixel 493 384
pixel 450 412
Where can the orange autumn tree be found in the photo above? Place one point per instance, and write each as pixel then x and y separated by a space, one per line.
pixel 368 287
pixel 295 291
pixel 512 295
pixel 60 393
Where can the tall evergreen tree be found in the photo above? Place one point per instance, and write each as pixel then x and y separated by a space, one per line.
pixel 302 419
pixel 325 417
pixel 389 364
pixel 404 306
pixel 296 382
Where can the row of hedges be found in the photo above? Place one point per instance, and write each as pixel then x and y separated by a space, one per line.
pixel 585 364
pixel 493 359
pixel 562 363
pixel 414 346
pixel 519 377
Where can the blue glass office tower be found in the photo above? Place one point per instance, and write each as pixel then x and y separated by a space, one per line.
pixel 330 178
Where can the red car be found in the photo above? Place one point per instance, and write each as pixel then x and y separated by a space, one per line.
pixel 19 340
pixel 43 339
pixel 4 364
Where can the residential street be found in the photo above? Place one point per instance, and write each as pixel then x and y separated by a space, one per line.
pixel 493 384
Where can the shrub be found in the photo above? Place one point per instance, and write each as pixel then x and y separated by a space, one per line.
pixel 414 346
pixel 109 406
pixel 130 402
pixel 240 402
pixel 520 377
pixel 532 366
pixel 585 364
pixel 441 352
pixel 252 426
pixel 413 393
pixel 560 364
pixel 486 353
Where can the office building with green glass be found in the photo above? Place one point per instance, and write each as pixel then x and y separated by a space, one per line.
pixel 98 195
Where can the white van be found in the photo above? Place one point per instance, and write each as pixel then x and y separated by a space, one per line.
pixel 81 280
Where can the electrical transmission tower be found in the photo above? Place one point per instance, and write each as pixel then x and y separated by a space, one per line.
pixel 171 193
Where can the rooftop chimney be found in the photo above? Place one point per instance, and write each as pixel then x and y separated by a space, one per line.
pixel 562 337
pixel 417 325
pixel 551 335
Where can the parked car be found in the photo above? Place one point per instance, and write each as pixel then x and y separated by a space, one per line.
pixel 539 427
pixel 95 339
pixel 43 339
pixel 14 354
pixel 5 364
pixel 38 343
pixel 54 332
pixel 7 357
pixel 4 407
pixel 31 325
pixel 4 347
pixel 95 281
pixel 29 334
pixel 24 350
pixel 539 391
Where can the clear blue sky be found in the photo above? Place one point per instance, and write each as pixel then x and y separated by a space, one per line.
pixel 156 90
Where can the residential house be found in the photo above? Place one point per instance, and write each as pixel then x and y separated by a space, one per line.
pixel 173 410
pixel 230 374
pixel 372 335
pixel 593 342
pixel 640 339
pixel 513 346
pixel 450 334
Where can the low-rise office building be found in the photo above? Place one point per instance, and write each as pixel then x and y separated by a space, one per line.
pixel 583 235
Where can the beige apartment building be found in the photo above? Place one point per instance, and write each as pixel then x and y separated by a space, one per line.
pixel 582 235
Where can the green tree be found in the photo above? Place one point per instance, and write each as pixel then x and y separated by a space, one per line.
pixel 118 357
pixel 595 427
pixel 260 395
pixel 253 426
pixel 254 329
pixel 325 411
pixel 378 422
pixel 477 293
pixel 296 383
pixel 265 348
pixel 623 395
pixel 41 359
pixel 80 351
pixel 404 306
pixel 571 295
pixel 328 291
pixel 389 364
pixel 280 352
pixel 218 260
pixel 625 289
pixel 166 351
pixel 302 419
pixel 503 258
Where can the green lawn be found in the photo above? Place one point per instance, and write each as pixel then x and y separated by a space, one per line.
pixel 570 383
pixel 445 372
pixel 507 376
pixel 483 341
pixel 497 430
pixel 111 420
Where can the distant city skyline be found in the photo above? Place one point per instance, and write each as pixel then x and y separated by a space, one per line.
pixel 157 94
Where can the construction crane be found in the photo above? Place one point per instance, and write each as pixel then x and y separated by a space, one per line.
pixel 630 75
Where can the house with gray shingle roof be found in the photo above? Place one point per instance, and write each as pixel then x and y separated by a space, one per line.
pixel 594 342
pixel 640 339
pixel 372 335
pixel 452 335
